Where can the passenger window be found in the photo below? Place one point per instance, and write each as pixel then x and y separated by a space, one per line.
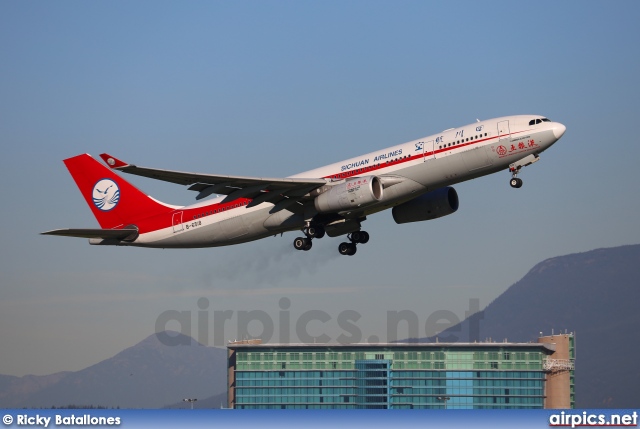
pixel 532 122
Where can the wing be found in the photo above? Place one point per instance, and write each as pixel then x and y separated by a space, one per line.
pixel 259 189
pixel 125 234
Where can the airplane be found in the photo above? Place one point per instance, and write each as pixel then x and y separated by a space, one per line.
pixel 413 179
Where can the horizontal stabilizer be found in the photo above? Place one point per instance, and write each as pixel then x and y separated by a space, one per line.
pixel 125 234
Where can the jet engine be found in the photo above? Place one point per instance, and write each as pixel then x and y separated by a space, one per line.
pixel 432 205
pixel 352 194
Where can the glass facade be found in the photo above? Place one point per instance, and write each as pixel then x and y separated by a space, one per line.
pixel 389 376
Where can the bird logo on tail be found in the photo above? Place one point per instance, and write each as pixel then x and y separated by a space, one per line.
pixel 106 194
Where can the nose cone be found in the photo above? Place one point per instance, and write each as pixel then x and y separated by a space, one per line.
pixel 559 130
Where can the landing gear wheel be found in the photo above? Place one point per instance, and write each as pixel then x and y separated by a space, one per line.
pixel 315 231
pixel 308 245
pixel 361 237
pixel 347 249
pixel 515 182
pixel 302 243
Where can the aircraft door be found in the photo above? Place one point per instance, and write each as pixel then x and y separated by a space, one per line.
pixel 428 147
pixel 177 222
pixel 503 130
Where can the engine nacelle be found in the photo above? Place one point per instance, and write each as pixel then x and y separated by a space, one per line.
pixel 352 194
pixel 432 205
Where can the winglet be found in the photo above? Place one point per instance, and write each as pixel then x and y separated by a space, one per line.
pixel 112 161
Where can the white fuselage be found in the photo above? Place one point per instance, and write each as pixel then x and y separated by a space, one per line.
pixel 416 167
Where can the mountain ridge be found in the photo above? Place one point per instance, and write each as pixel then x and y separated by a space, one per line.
pixel 593 294
pixel 168 373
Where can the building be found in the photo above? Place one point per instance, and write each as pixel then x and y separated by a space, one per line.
pixel 403 375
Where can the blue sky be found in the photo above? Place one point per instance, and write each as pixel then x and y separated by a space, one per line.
pixel 276 88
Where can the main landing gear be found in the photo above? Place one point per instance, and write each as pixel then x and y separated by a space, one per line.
pixel 311 232
pixel 304 243
pixel 355 237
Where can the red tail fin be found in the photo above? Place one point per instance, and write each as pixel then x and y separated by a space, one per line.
pixel 113 201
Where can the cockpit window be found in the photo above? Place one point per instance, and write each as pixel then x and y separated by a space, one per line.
pixel 538 121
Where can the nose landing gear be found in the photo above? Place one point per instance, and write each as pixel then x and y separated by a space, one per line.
pixel 515 182
pixel 514 168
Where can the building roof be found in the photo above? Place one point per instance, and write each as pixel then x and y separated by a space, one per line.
pixel 550 347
